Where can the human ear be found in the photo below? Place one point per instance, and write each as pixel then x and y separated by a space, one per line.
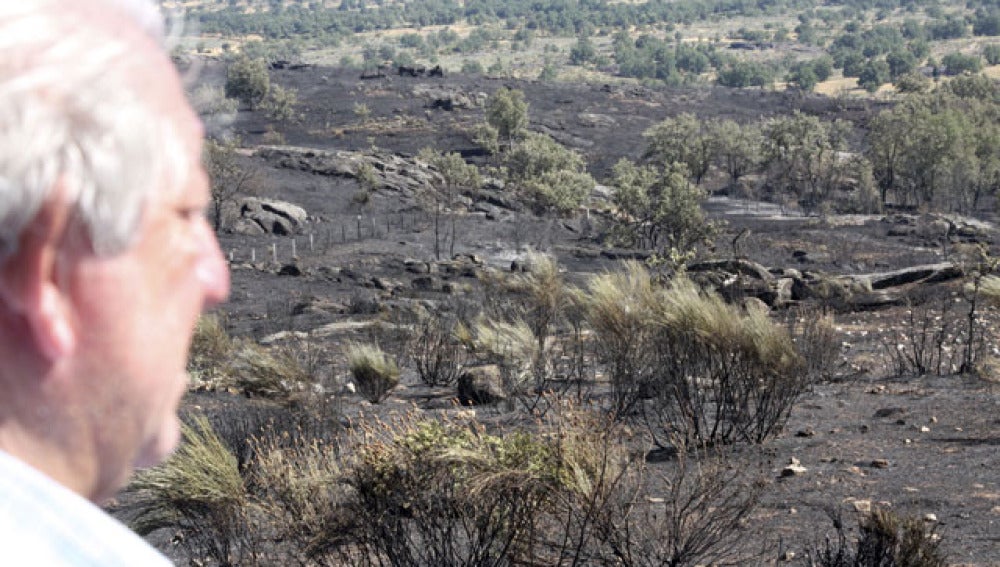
pixel 29 281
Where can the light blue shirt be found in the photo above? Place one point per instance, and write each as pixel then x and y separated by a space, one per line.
pixel 42 523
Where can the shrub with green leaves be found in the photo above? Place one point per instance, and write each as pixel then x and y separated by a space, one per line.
pixel 374 373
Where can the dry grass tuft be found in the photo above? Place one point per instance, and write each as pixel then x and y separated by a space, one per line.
pixel 375 374
pixel 199 490
pixel 689 363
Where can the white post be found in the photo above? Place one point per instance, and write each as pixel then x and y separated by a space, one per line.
pixel 230 256
pixel 274 253
pixel 253 255
pixel 311 242
pixel 293 248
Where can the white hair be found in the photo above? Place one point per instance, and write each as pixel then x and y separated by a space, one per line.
pixel 70 117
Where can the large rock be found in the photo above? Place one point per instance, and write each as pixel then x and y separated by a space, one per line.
pixel 270 217
pixel 481 385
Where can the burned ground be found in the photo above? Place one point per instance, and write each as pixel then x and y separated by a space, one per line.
pixel 919 445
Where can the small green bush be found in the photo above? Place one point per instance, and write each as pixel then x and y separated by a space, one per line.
pixel 375 374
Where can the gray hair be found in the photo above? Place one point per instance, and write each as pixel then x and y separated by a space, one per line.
pixel 69 114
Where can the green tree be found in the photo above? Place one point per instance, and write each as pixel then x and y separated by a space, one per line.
pixel 913 82
pixel 553 176
pixel 974 87
pixel 802 76
pixel 900 63
pixel 507 111
pixel 456 175
pixel 937 149
pixel 472 67
pixel 737 148
pixel 805 157
pixel 992 53
pixel 681 139
pixel 582 52
pixel 957 63
pixel 873 75
pixel 658 208
pixel 247 81
pixel 745 73
pixel 279 104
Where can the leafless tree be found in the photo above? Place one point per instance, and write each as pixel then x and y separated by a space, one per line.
pixel 229 177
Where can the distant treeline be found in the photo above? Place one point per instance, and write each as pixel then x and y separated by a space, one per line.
pixel 560 17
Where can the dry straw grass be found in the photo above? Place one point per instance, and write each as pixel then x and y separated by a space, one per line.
pixel 200 490
pixel 689 363
pixel 375 374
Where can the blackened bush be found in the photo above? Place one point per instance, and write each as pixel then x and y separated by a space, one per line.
pixel 436 354
pixel 885 540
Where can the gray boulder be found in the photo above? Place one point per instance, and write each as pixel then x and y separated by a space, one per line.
pixel 269 216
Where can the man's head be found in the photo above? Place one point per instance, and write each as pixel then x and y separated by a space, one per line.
pixel 106 260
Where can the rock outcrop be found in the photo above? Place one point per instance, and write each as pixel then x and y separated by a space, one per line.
pixel 392 171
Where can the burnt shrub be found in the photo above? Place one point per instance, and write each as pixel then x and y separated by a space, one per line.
pixel 435 352
pixel 884 540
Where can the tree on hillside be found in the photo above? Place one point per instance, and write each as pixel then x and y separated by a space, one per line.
pixel 744 73
pixel 938 149
pixel 582 52
pixel 658 208
pixel 228 177
pixel 507 112
pixel 900 63
pixel 992 53
pixel 553 176
pixel 247 81
pixel 873 75
pixel 802 76
pixel 456 174
pixel 681 139
pixel 957 63
pixel 806 157
pixel 737 147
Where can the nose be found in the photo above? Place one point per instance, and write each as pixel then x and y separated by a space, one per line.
pixel 212 270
